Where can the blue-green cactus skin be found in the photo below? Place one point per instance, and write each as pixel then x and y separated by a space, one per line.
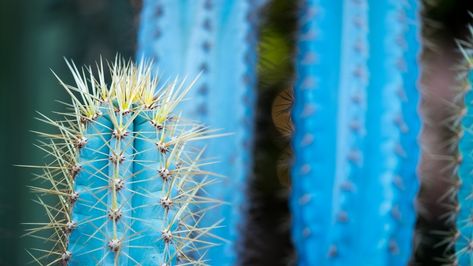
pixel 356 126
pixel 216 39
pixel 351 132
pixel 315 107
pixel 406 181
pixel 148 190
pixel 125 173
pixel 94 230
pixel 464 238
pixel 388 219
pixel 90 209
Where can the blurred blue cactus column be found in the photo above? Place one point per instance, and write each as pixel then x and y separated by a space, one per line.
pixel 464 234
pixel 218 40
pixel 356 123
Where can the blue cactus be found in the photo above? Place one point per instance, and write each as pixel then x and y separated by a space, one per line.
pixel 406 179
pixel 124 175
pixel 216 39
pixel 355 116
pixel 464 236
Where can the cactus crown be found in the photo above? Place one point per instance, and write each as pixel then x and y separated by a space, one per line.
pixel 123 184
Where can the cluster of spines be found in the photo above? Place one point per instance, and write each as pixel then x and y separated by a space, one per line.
pixel 463 211
pixel 125 175
pixel 333 114
pixel 197 40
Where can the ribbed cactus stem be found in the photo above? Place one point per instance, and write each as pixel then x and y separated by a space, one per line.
pixel 351 131
pixel 89 176
pixel 125 174
pixel 406 180
pixel 464 235
pixel 356 126
pixel 147 161
pixel 383 219
pixel 315 104
pixel 216 40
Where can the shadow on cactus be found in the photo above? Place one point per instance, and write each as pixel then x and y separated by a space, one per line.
pixel 123 183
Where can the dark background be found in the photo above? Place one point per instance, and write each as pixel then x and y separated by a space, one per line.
pixel 37 34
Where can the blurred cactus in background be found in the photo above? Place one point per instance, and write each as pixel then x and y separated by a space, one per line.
pixel 135 172
pixel 218 40
pixel 123 182
pixel 463 236
pixel 354 178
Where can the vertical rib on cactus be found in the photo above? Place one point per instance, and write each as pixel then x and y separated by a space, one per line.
pixel 406 179
pixel 217 41
pixel 351 131
pixel 90 175
pixel 464 236
pixel 355 133
pixel 381 198
pixel 315 102
pixel 230 104
pixel 125 175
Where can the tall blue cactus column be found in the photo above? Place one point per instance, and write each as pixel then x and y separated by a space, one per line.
pixel 409 124
pixel 314 141
pixel 464 235
pixel 356 125
pixel 218 40
pixel 391 154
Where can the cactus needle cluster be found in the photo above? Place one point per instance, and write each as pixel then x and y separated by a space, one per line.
pixel 123 185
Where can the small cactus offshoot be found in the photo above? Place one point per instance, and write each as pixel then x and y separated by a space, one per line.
pixel 123 185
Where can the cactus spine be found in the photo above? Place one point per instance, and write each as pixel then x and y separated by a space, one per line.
pixel 124 175
pixel 464 235
pixel 218 40
pixel 354 175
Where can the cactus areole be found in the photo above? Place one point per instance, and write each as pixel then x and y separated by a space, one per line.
pixel 123 185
